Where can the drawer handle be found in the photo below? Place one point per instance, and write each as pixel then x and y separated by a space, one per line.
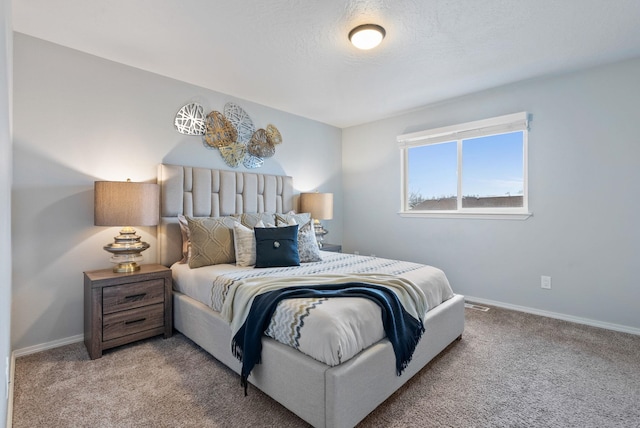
pixel 136 296
pixel 134 321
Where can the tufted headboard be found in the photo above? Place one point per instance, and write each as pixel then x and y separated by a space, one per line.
pixel 203 192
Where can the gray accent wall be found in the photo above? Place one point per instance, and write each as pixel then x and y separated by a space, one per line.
pixel 79 118
pixel 584 175
pixel 5 202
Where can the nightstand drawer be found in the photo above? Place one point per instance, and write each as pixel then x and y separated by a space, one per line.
pixel 128 296
pixel 132 321
pixel 124 307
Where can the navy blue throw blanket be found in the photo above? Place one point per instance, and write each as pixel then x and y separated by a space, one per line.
pixel 403 330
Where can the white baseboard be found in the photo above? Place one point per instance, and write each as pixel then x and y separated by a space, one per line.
pixel 49 345
pixel 548 314
pixel 12 372
pixel 32 350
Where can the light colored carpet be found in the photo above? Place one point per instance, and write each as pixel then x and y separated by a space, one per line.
pixel 509 370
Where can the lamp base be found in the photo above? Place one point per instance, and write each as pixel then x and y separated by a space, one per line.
pixel 126 263
pixel 126 267
pixel 126 250
pixel 320 231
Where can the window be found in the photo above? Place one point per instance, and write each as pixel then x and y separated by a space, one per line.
pixel 475 169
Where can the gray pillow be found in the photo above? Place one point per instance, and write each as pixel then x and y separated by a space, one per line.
pixel 251 219
pixel 285 219
pixel 308 245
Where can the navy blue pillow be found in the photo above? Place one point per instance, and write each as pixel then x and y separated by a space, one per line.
pixel 277 246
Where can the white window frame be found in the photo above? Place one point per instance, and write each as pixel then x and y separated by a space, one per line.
pixel 458 133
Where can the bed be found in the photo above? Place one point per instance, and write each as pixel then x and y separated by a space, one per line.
pixel 324 395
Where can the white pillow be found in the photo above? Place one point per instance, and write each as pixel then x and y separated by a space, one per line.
pixel 244 240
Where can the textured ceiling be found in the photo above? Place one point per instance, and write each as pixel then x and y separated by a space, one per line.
pixel 295 56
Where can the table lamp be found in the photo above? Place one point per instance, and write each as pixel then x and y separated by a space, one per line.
pixel 320 206
pixel 126 204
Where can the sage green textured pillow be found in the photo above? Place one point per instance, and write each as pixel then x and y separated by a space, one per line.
pixel 211 241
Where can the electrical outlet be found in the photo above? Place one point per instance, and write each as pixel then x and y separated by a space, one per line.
pixel 545 282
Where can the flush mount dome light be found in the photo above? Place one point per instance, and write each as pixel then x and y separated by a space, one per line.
pixel 367 36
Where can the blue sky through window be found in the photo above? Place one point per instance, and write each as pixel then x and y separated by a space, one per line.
pixel 492 166
pixel 433 170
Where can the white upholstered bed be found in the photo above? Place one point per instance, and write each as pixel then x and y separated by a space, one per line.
pixel 322 395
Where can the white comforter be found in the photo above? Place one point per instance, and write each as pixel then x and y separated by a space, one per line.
pixel 329 330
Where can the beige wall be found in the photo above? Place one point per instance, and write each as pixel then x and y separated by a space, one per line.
pixel 80 118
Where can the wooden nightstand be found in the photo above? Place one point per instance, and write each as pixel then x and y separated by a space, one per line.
pixel 334 248
pixel 121 308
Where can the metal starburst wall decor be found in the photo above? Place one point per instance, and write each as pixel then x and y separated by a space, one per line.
pixel 232 133
pixel 190 120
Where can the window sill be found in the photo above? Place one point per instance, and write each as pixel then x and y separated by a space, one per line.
pixel 468 215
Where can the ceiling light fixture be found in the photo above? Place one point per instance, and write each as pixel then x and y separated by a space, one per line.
pixel 367 36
